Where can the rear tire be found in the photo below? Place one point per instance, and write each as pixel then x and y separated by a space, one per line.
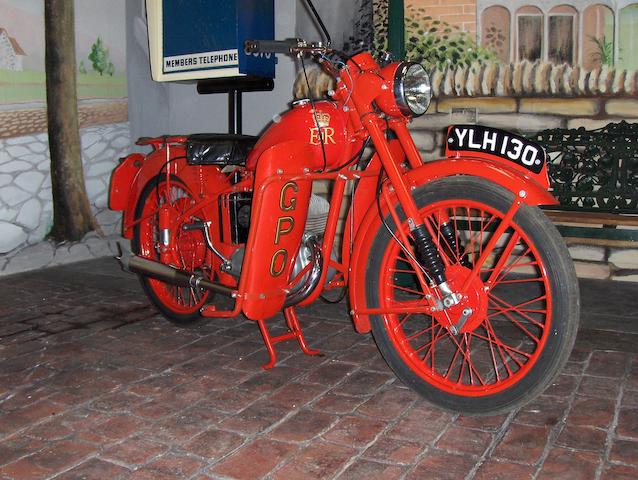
pixel 521 332
pixel 180 305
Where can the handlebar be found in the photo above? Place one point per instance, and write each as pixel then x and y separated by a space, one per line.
pixel 294 46
pixel 271 46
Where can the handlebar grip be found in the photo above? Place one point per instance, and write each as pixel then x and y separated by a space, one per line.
pixel 270 46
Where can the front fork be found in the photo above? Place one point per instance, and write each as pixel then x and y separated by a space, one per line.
pixel 426 249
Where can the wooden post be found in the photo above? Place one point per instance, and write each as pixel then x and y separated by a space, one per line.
pixel 396 29
pixel 72 217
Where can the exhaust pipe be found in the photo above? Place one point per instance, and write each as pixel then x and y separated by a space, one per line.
pixel 175 276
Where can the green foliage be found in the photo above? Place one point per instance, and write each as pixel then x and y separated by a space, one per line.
pixel 604 53
pixel 438 44
pixel 495 40
pixel 380 26
pixel 99 57
pixel 82 67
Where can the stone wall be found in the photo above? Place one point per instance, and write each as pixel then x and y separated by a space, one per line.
pixel 528 115
pixel 26 210
pixel 532 79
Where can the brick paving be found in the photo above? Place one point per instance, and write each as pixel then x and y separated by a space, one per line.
pixel 94 384
pixel 24 121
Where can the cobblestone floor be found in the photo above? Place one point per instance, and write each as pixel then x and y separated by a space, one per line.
pixel 94 384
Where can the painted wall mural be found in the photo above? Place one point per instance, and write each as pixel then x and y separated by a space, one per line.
pixel 100 55
pixel 26 208
pixel 519 47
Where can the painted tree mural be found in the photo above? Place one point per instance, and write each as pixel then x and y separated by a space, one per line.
pixel 72 217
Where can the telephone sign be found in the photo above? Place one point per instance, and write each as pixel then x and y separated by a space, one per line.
pixel 198 39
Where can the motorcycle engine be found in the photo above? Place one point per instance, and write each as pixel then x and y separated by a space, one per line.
pixel 309 251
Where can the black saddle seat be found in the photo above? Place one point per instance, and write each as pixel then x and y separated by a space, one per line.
pixel 218 148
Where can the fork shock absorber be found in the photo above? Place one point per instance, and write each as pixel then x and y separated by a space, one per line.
pixel 433 263
pixel 448 232
pixel 453 244
pixel 450 237
pixel 428 254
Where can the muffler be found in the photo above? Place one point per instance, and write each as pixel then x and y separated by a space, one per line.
pixel 175 276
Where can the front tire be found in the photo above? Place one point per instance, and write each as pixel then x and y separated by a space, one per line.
pixel 523 325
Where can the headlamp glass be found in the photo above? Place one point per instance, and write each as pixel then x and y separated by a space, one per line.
pixel 412 89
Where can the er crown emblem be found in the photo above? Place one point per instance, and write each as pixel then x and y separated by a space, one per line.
pixel 327 132
pixel 323 119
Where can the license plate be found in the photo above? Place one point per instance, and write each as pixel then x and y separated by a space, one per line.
pixel 506 145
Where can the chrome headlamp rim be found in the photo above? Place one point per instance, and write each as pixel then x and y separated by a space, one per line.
pixel 399 89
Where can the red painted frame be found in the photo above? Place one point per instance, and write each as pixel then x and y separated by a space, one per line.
pixel 280 171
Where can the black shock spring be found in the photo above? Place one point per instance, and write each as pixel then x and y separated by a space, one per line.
pixel 428 254
pixel 452 242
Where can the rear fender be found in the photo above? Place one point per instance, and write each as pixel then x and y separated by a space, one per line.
pixel 196 178
pixel 278 220
pixel 493 170
pixel 122 179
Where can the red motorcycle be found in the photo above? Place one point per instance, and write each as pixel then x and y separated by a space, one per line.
pixel 466 286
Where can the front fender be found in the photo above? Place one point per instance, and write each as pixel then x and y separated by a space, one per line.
pixel 492 170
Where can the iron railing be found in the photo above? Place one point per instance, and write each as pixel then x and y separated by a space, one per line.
pixel 594 170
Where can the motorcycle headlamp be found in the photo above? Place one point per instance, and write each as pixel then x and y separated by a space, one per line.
pixel 412 89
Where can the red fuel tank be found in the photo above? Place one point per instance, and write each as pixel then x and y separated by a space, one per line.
pixel 299 124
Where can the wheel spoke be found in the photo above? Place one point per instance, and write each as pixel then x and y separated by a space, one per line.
pixel 497 342
pixel 521 280
pixel 451 365
pixel 515 264
pixel 409 290
pixel 467 359
pixel 499 347
pixel 521 327
pixel 418 334
pixel 402 322
pixel 401 270
pixel 517 309
pixel 431 344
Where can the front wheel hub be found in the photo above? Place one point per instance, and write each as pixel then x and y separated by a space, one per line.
pixel 471 309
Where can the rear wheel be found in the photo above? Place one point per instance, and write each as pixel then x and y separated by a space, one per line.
pixel 524 303
pixel 180 305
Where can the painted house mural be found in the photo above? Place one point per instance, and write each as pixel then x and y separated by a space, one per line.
pixel 578 32
pixel 11 52
pixel 547 47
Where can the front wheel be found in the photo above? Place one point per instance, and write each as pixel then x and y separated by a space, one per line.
pixel 524 302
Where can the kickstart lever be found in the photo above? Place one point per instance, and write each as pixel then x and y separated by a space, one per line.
pixel 205 227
